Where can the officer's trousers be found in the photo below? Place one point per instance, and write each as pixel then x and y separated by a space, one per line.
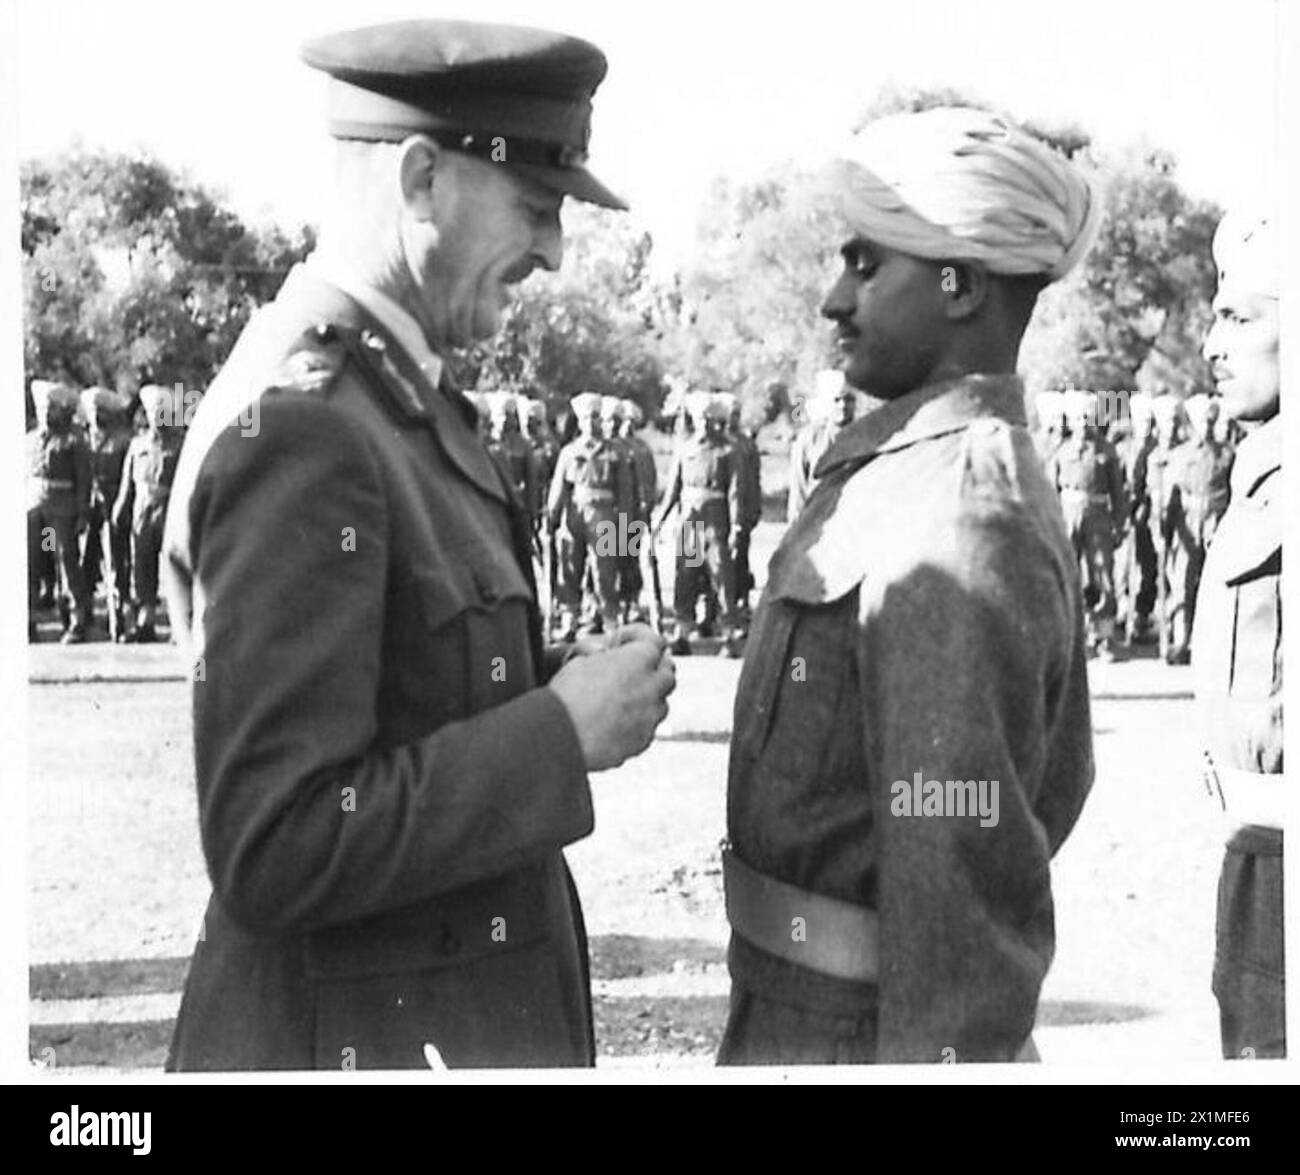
pixel 1249 958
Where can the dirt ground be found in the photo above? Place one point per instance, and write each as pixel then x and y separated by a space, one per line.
pixel 117 882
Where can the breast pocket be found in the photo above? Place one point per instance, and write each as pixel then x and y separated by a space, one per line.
pixel 1257 632
pixel 461 637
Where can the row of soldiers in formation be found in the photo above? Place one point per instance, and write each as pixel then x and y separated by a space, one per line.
pixel 1141 508
pixel 597 512
pixel 96 500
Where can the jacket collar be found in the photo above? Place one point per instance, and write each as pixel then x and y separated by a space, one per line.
pixel 1258 455
pixel 929 411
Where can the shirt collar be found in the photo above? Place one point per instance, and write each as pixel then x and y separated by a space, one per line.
pixel 929 411
pixel 401 325
pixel 1258 455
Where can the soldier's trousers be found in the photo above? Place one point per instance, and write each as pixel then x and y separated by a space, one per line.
pixel 744 577
pixel 589 533
pixel 1136 574
pixel 146 545
pixel 42 528
pixel 1091 538
pixel 101 536
pixel 629 577
pixel 702 544
pixel 1249 957
pixel 1184 559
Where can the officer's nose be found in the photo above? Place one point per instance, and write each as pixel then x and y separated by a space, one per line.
pixel 548 243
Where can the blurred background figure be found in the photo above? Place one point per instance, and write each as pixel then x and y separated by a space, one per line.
pixel 1086 472
pixel 645 493
pixel 106 548
pixel 831 407
pixel 58 501
pixel 1135 570
pixel 749 464
pixel 147 474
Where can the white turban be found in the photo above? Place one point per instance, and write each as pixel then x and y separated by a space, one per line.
pixel 1246 251
pixel 959 184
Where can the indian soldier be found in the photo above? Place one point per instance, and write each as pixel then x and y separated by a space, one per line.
pixel 751 501
pixel 1170 534
pixel 1238 644
pixel 107 548
pixel 831 407
pixel 1136 566
pixel 389 761
pixel 141 503
pixel 920 636
pixel 509 446
pixel 645 495
pixel 542 437
pixel 1086 472
pixel 590 491
pixel 704 479
pixel 58 505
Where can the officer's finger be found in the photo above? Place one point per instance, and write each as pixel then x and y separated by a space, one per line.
pixel 636 632
pixel 667 680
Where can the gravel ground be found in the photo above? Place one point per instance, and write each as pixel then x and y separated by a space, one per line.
pixel 117 882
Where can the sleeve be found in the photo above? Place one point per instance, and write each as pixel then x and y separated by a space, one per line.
pixel 559 485
pixel 735 493
pixel 306 820
pixel 798 491
pixel 961 658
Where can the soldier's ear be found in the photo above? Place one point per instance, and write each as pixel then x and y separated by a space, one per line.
pixel 421 171
pixel 965 288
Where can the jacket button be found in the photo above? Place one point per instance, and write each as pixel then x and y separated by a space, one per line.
pixel 448 944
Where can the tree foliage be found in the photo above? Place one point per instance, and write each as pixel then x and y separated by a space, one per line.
pixel 133 274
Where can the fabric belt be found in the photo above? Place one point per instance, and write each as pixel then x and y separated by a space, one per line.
pixel 583 496
pixel 57 483
pixel 821 933
pixel 1247 797
pixel 699 494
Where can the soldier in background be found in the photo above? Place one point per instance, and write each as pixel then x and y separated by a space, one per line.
pixel 704 478
pixel 1238 646
pixel 58 502
pixel 542 437
pixel 592 486
pixel 645 479
pixel 1052 425
pixel 1136 566
pixel 836 399
pixel 147 475
pixel 1086 472
pixel 1166 509
pixel 512 451
pixel 751 501
pixel 106 548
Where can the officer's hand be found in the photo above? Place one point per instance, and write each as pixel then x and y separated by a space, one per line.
pixel 616 699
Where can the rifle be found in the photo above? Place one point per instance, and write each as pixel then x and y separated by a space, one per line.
pixel 650 574
pixel 109 570
pixel 547 541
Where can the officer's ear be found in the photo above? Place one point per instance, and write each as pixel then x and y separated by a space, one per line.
pixel 421 173
pixel 964 287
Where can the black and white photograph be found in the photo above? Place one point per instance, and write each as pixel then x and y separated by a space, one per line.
pixel 709 543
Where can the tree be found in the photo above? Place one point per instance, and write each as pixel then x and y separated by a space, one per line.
pixel 133 274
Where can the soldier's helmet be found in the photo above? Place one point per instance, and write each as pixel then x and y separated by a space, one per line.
pixel 586 406
pixel 632 412
pixel 503 408
pixel 715 407
pixel 1049 408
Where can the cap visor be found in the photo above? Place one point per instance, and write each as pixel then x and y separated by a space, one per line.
pixel 577 182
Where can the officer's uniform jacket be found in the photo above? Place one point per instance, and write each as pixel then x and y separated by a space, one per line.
pixel 1237 640
pixel 58 473
pixel 384 789
pixel 921 615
